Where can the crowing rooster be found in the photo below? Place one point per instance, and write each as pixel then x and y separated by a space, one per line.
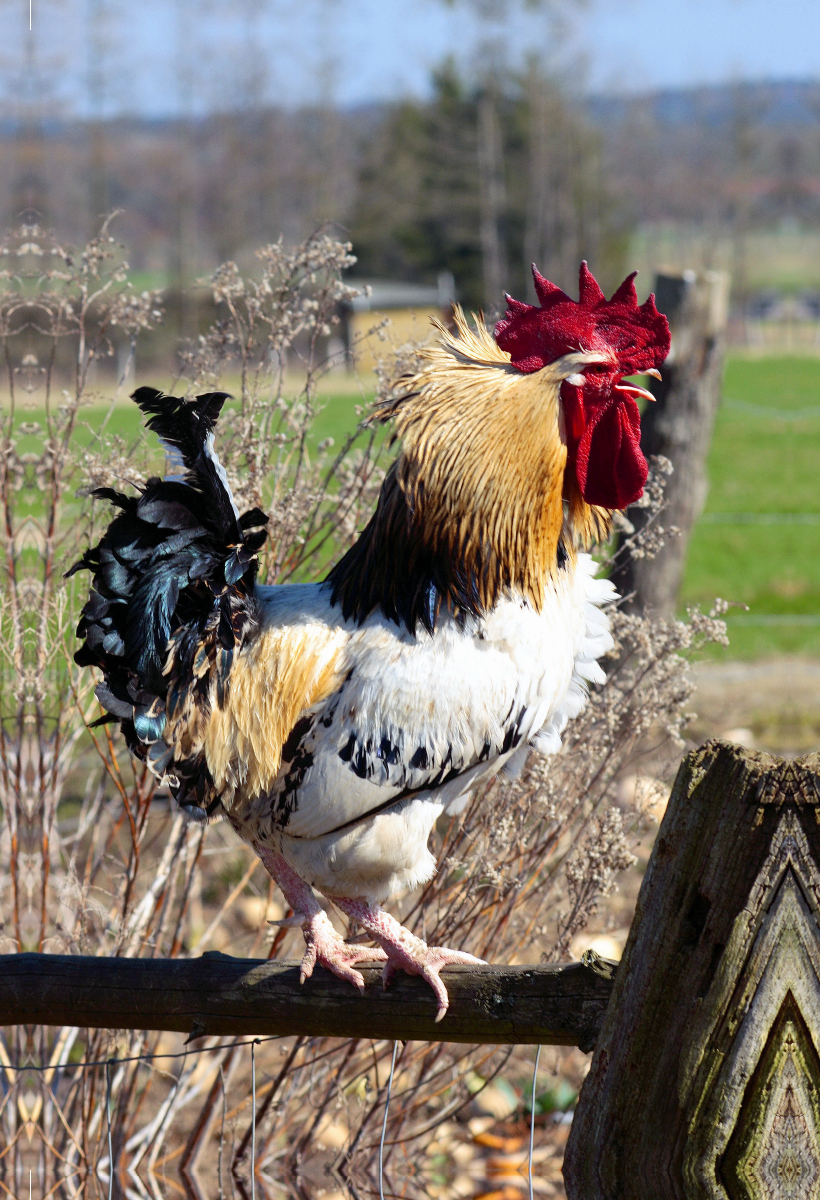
pixel 333 723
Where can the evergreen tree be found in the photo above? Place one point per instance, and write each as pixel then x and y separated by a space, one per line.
pixel 507 168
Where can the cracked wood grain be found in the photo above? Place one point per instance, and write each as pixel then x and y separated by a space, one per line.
pixel 705 1080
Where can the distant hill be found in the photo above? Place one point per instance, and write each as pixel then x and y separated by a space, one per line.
pixel 772 104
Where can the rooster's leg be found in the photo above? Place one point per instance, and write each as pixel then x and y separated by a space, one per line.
pixel 323 944
pixel 404 949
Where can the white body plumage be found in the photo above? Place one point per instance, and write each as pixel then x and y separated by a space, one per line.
pixel 416 721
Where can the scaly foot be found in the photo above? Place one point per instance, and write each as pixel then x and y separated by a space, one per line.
pixel 327 948
pixel 404 950
pixel 323 944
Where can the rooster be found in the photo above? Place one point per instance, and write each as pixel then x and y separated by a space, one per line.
pixel 333 723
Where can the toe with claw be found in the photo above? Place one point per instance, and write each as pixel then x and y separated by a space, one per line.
pixel 427 961
pixel 404 950
pixel 327 948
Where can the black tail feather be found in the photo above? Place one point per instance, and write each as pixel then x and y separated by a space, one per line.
pixel 188 426
pixel 178 563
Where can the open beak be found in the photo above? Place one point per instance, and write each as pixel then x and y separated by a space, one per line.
pixel 634 390
pixel 654 372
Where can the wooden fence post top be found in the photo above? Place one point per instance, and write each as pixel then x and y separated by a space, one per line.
pixel 707 1060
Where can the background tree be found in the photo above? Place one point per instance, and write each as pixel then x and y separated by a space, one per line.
pixel 481 181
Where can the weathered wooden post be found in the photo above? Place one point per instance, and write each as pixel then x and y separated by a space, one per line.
pixel 679 426
pixel 705 1080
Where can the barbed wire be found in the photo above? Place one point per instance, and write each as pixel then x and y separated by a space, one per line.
pixel 104 1062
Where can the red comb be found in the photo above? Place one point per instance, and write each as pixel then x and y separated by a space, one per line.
pixel 638 335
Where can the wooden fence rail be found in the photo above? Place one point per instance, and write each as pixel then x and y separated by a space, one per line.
pixel 217 994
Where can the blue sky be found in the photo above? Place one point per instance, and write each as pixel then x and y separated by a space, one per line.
pixel 154 56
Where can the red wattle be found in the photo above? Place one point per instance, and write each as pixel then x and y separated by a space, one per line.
pixel 609 463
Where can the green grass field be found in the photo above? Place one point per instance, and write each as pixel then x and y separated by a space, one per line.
pixel 339 397
pixel 759 539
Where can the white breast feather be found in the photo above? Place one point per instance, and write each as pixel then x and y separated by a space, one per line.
pixel 450 692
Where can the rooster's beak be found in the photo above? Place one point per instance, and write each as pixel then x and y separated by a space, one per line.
pixel 634 390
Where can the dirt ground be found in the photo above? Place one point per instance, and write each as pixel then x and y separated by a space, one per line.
pixel 771 705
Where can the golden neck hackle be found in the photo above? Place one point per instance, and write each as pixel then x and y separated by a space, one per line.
pixel 474 507
pixel 484 456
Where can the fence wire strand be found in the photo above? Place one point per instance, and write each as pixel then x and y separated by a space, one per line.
pixel 115 1061
pixel 104 1062
pixel 108 1117
pixel 384 1122
pixel 254 1044
pixel 532 1117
